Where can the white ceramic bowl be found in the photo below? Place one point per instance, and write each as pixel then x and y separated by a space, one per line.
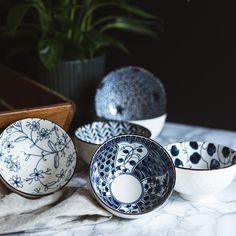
pixel 202 169
pixel 155 125
pixel 131 176
pixel 90 136
pixel 37 157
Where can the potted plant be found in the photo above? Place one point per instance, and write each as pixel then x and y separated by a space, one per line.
pixel 70 38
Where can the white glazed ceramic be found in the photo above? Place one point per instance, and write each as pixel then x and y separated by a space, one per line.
pixel 37 157
pixel 202 169
pixel 155 125
pixel 90 136
pixel 131 176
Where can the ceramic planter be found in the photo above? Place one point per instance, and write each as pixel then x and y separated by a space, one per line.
pixel 78 81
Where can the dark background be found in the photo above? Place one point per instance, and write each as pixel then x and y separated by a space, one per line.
pixel 194 58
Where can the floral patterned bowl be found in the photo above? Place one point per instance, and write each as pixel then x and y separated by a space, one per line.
pixel 202 169
pixel 90 136
pixel 37 157
pixel 131 176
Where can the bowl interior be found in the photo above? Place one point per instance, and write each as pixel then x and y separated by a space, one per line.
pixel 37 156
pixel 201 155
pixel 132 175
pixel 99 132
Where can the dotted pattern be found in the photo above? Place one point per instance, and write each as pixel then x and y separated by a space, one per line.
pixel 128 93
pixel 201 155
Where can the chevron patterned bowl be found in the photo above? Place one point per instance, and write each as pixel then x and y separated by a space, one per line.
pixel 90 136
pixel 131 176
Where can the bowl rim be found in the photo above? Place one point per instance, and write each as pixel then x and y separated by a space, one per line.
pixel 107 122
pixel 163 116
pixel 134 214
pixel 31 195
pixel 198 169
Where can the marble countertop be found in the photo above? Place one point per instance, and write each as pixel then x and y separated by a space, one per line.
pixel 178 217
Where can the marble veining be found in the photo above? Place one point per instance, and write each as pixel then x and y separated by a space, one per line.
pixel 179 217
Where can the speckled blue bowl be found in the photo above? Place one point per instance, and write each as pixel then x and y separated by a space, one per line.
pixel 130 93
pixel 131 176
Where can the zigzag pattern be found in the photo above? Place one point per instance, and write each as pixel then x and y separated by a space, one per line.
pixel 99 132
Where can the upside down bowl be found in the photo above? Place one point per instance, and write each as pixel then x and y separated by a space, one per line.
pixel 132 94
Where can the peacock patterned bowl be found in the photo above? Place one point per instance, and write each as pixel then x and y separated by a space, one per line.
pixel 90 136
pixel 37 157
pixel 202 168
pixel 131 176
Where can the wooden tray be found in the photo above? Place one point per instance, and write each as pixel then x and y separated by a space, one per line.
pixel 21 97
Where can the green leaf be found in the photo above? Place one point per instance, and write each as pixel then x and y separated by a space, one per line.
pixel 129 8
pixel 129 24
pixel 16 15
pixel 138 11
pixel 111 18
pixel 39 6
pixel 106 41
pixel 50 51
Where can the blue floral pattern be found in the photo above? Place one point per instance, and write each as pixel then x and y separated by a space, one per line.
pixel 137 156
pixel 37 156
pixel 12 163
pixel 201 155
pixel 16 181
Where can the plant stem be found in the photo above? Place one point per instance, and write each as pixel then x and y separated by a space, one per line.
pixel 71 18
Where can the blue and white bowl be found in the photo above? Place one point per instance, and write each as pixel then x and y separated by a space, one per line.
pixel 90 136
pixel 202 169
pixel 131 176
pixel 37 157
pixel 132 94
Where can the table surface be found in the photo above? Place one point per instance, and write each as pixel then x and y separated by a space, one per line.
pixel 178 217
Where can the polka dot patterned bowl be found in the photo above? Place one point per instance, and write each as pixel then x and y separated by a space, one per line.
pixel 202 169
pixel 37 157
pixel 131 176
